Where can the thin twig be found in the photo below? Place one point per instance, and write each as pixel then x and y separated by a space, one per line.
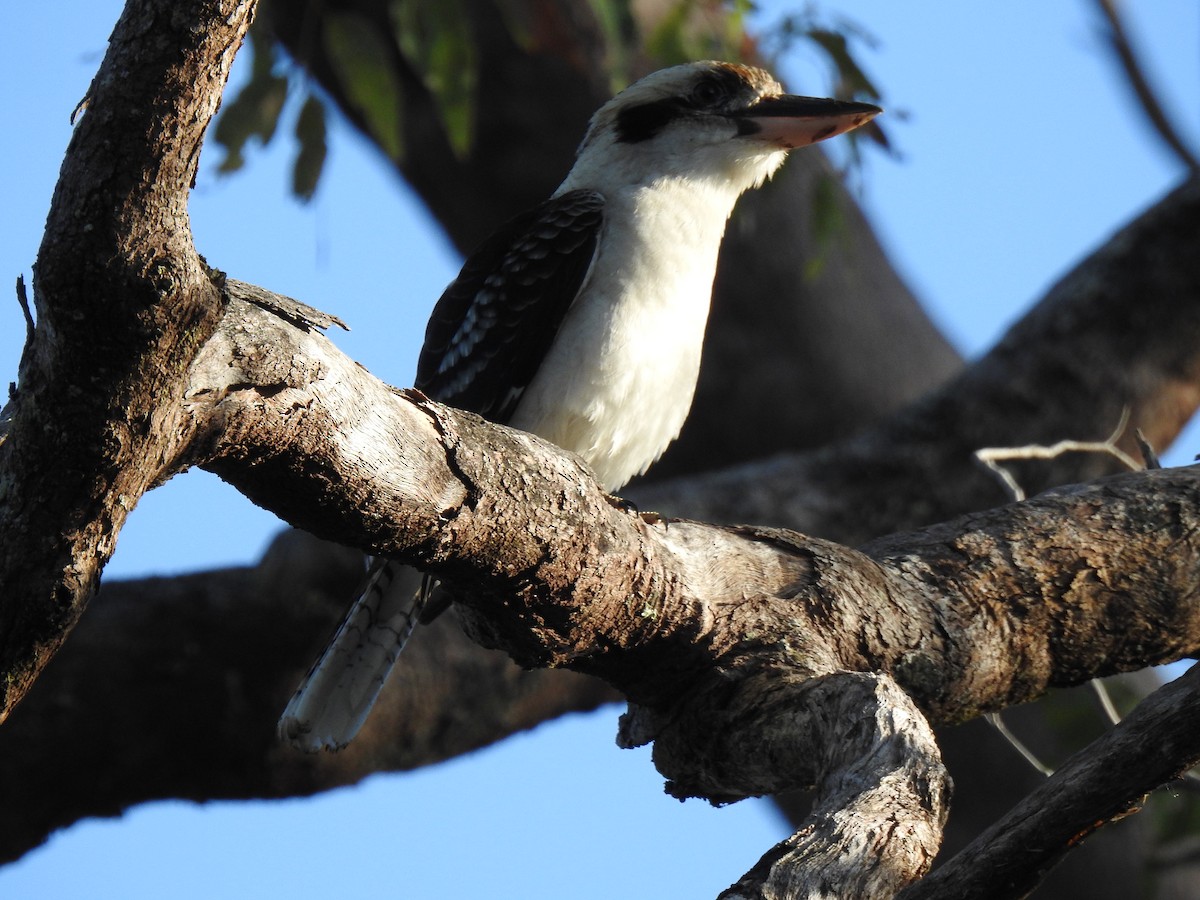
pixel 8 410
pixel 1149 457
pixel 1118 38
pixel 998 723
pixel 991 457
pixel 1106 701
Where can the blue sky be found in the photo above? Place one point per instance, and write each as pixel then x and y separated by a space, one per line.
pixel 1021 152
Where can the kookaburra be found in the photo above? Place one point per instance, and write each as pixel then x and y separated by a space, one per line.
pixel 582 320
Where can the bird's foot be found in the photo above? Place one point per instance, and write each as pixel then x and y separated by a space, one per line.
pixel 622 504
pixel 650 518
pixel 653 518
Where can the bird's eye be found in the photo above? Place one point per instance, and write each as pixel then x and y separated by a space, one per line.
pixel 708 92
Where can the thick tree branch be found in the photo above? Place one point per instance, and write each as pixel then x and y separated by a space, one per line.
pixel 308 433
pixel 727 618
pixel 730 621
pixel 123 301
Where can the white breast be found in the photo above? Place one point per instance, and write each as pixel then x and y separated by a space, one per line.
pixel 618 381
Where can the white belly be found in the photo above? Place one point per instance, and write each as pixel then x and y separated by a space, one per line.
pixel 618 381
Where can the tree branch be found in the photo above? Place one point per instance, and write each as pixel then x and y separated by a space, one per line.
pixel 123 302
pixel 1105 781
pixel 731 623
pixel 308 433
pixel 1147 99
pixel 882 768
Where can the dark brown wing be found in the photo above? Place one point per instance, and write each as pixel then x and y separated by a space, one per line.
pixel 493 325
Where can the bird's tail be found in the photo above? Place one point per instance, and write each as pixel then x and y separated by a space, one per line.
pixel 333 700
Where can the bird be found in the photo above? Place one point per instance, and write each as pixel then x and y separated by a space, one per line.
pixel 582 320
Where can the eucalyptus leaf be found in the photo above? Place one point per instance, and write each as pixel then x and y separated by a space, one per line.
pixel 435 39
pixel 360 58
pixel 854 80
pixel 254 111
pixel 310 157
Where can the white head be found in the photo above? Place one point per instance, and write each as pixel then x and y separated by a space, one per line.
pixel 717 122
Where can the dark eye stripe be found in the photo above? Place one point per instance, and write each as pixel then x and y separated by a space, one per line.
pixel 642 122
pixel 712 93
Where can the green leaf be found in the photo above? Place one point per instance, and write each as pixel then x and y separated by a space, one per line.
pixel 692 29
pixel 835 43
pixel 360 60
pixel 616 21
pixel 435 38
pixel 853 80
pixel 254 112
pixel 310 158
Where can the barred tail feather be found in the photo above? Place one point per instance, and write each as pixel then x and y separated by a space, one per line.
pixel 333 700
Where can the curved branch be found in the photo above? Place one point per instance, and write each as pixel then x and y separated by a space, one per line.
pixel 967 616
pixel 516 521
pixel 882 797
pixel 507 520
pixel 1122 48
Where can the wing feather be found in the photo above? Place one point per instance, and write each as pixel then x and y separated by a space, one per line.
pixel 494 324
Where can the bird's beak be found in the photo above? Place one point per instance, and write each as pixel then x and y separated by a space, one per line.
pixel 789 121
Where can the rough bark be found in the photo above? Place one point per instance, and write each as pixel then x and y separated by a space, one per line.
pixel 744 640
pixel 123 302
pixel 523 526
